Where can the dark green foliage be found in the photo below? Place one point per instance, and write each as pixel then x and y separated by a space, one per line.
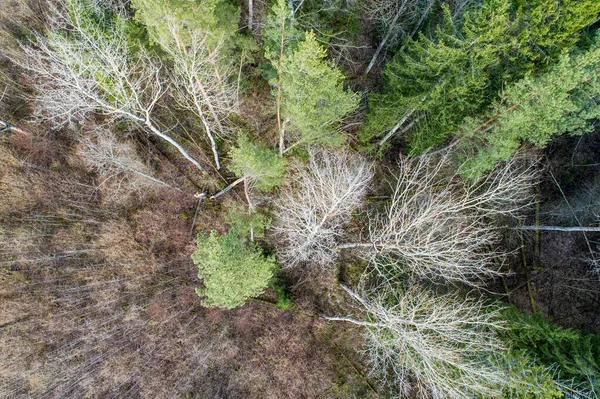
pixel 527 380
pixel 258 163
pixel 439 81
pixel 458 72
pixel 232 269
pixel 534 109
pixel 576 353
pixel 284 301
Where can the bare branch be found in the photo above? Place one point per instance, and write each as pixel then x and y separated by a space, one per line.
pixel 442 346
pixel 112 159
pixel 78 70
pixel 438 227
pixel 310 217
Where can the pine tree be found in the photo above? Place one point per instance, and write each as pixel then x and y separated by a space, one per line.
pixel 254 161
pixel 314 100
pixel 280 33
pixel 231 269
pixel 280 37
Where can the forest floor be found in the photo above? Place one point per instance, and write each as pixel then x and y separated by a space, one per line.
pixel 558 278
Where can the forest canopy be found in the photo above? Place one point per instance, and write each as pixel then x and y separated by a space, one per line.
pixel 303 198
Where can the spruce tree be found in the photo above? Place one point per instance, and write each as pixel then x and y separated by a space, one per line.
pixel 534 109
pixel 575 353
pixel 434 83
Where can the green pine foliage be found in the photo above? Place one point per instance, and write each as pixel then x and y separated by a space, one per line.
pixel 575 353
pixel 534 109
pixel 280 35
pixel 279 26
pixel 459 71
pixel 232 269
pixel 314 99
pixel 257 162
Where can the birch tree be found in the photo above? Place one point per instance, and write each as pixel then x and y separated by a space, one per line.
pixel 200 86
pixel 439 347
pixel 312 211
pixel 86 64
pixel 438 227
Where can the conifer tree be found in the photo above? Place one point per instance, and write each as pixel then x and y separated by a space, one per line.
pixel 257 163
pixel 534 109
pixel 575 352
pixel 231 269
pixel 280 33
pixel 314 100
pixel 434 83
pixel 280 37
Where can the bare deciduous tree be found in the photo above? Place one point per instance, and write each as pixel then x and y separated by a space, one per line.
pixel 440 346
pixel 200 86
pixel 439 227
pixel 78 69
pixel 399 18
pixel 310 215
pixel 116 160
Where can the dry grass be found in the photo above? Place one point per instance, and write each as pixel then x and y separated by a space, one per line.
pixel 97 299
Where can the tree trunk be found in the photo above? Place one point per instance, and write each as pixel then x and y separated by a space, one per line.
pixel 557 228
pixel 351 320
pixel 279 70
pixel 250 15
pixel 228 188
pixel 7 127
pixel 385 39
pixel 175 144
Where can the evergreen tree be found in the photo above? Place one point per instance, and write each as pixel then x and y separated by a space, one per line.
pixel 576 353
pixel 231 269
pixel 280 37
pixel 534 109
pixel 280 33
pixel 256 162
pixel 217 19
pixel 314 100
pixel 434 83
